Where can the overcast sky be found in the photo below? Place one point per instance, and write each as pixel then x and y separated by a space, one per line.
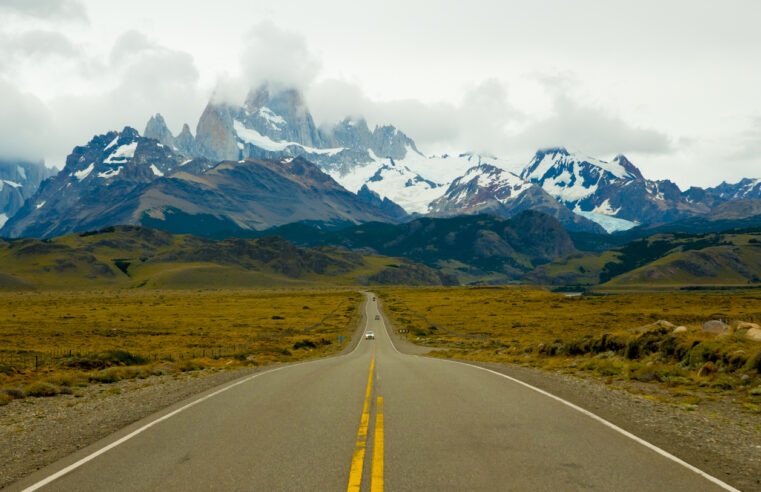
pixel 675 85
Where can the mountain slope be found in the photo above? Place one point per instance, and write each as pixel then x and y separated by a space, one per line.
pixel 99 185
pixel 122 178
pixel 614 194
pixel 473 247
pixel 491 190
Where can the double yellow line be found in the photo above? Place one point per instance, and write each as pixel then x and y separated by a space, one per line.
pixel 358 459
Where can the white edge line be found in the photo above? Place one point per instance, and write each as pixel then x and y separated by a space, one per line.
pixel 596 417
pixel 90 457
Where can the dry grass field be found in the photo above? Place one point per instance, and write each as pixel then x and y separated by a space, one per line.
pixel 621 338
pixel 80 337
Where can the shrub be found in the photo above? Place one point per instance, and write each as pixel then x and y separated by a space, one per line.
pixel 114 374
pixel 121 357
pixel 68 380
pixel 755 362
pixel 5 399
pixel 13 393
pixel 304 344
pixel 40 389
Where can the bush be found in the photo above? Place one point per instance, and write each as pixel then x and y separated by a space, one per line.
pixel 122 357
pixel 13 393
pixel 106 359
pixel 304 344
pixel 5 399
pixel 114 374
pixel 755 362
pixel 68 380
pixel 40 389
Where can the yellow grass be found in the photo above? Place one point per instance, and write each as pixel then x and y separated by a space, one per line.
pixel 70 330
pixel 535 327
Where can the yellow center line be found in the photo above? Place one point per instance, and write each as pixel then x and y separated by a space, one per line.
pixel 358 459
pixel 376 485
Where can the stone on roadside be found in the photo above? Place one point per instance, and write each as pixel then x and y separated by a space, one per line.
pixel 715 326
pixel 679 329
pixel 753 334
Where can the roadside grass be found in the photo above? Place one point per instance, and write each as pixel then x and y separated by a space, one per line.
pixel 624 340
pixel 105 337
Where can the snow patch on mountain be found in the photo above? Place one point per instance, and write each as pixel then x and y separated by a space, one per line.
pixel 110 173
pixel 605 209
pixel 80 175
pixel 610 224
pixel 393 180
pixel 156 170
pixel 253 137
pixel 122 153
pixel 3 220
pixel 271 117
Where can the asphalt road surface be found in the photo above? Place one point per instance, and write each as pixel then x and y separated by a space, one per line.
pixel 372 419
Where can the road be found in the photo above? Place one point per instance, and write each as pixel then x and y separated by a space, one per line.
pixel 372 419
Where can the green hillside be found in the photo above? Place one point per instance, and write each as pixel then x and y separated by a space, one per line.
pixel 135 257
pixel 728 259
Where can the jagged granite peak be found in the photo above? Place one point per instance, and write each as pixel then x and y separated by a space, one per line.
pixel 389 142
pixel 488 189
pixel 184 142
pixel 387 206
pixel 350 133
pixel 113 168
pixel 280 115
pixel 215 136
pixel 156 128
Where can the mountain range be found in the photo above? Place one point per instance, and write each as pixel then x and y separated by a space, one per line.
pixel 266 163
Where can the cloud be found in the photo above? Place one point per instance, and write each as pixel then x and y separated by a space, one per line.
pixel 36 44
pixel 749 143
pixel 139 78
pixel 589 129
pixel 25 124
pixel 273 56
pixel 46 9
pixel 485 121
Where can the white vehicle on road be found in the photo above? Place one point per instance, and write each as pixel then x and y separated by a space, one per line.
pixel 369 335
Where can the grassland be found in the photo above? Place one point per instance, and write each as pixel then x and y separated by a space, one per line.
pixel 80 337
pixel 624 338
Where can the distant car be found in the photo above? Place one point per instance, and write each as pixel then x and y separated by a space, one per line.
pixel 369 336
pixel 377 316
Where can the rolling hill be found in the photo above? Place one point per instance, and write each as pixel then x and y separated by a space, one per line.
pixel 135 257
pixel 475 248
pixel 728 259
